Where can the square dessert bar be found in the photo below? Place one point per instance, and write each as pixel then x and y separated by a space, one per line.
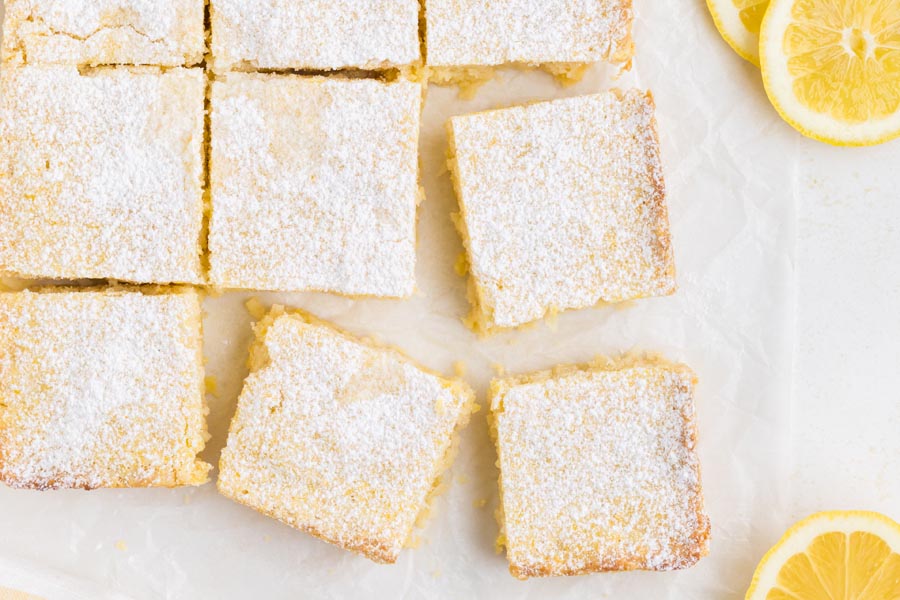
pixel 314 184
pixel 321 35
pixel 562 206
pixel 475 33
pixel 97 32
pixel 598 470
pixel 101 174
pixel 101 389
pixel 338 437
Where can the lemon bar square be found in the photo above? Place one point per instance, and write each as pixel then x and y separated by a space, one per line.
pixel 320 35
pixel 462 34
pixel 314 184
pixel 562 206
pixel 101 388
pixel 598 469
pixel 338 437
pixel 101 175
pixel 101 32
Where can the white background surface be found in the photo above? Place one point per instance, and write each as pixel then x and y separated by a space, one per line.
pixel 723 147
pixel 847 361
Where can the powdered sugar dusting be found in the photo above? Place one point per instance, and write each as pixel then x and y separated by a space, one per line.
pixel 314 184
pixel 480 33
pixel 563 203
pixel 339 438
pixel 599 472
pixel 95 32
pixel 101 174
pixel 315 34
pixel 100 389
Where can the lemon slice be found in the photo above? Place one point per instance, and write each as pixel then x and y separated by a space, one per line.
pixel 738 21
pixel 832 68
pixel 840 555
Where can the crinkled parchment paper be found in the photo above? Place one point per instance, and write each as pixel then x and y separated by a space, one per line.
pixel 731 178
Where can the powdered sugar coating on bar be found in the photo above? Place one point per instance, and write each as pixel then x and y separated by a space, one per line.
pixel 315 34
pixel 81 32
pixel 599 471
pixel 102 174
pixel 101 389
pixel 314 184
pixel 563 205
pixel 339 438
pixel 464 33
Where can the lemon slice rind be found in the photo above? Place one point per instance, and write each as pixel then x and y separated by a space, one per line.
pixel 728 21
pixel 798 538
pixel 779 88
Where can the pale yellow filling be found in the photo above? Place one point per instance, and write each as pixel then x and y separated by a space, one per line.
pixel 470 78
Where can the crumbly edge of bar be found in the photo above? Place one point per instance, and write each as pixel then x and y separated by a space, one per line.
pixel 479 319
pixel 469 79
pixel 622 362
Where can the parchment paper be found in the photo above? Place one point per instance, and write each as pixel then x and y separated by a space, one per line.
pixel 731 176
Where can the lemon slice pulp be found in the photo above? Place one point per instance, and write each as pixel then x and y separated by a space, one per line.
pixel 739 21
pixel 841 555
pixel 832 67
